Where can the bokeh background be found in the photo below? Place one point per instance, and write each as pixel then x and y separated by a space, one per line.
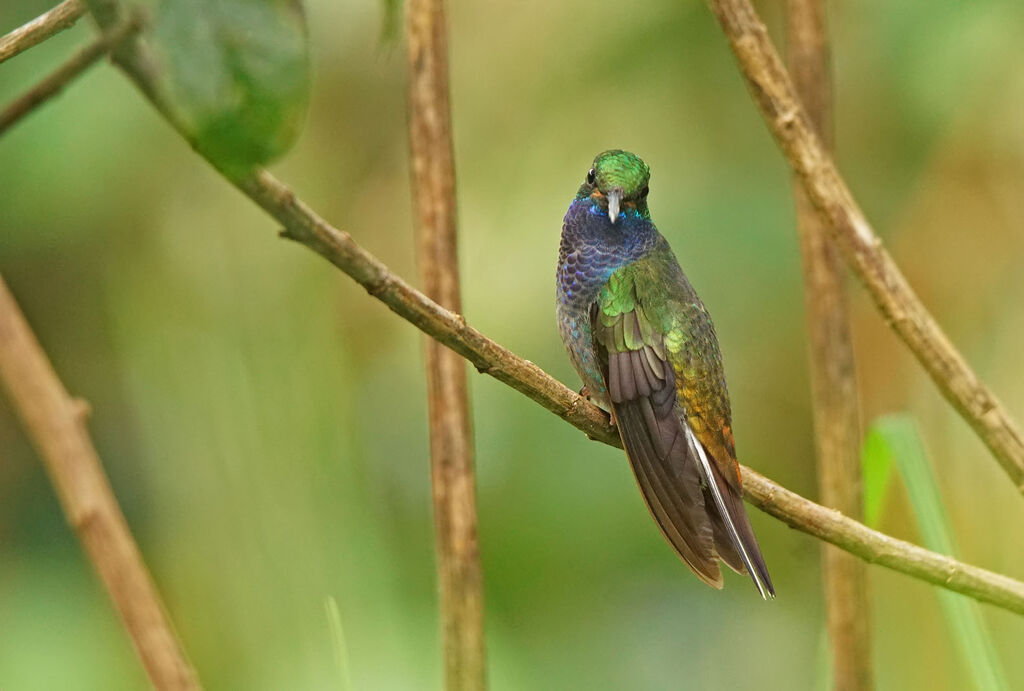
pixel 263 420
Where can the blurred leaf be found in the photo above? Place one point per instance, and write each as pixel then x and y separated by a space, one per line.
pixel 897 435
pixel 876 471
pixel 824 675
pixel 390 25
pixel 338 643
pixel 236 75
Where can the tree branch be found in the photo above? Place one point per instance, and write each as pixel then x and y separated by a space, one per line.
pixel 432 169
pixel 877 548
pixel 773 91
pixel 833 378
pixel 56 424
pixel 304 226
pixel 51 85
pixel 41 28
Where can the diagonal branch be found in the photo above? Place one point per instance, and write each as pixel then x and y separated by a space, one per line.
pixel 56 424
pixel 303 225
pixel 453 479
pixel 878 548
pixel 833 378
pixel 41 28
pixel 51 85
pixel 773 91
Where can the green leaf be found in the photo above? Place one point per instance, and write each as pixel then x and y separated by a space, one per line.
pixel 897 436
pixel 824 674
pixel 390 25
pixel 338 643
pixel 876 472
pixel 235 75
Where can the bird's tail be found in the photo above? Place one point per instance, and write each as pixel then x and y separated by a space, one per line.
pixel 734 536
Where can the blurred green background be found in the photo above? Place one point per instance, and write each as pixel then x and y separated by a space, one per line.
pixel 263 421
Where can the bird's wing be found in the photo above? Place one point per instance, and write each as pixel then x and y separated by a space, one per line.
pixel 694 354
pixel 663 374
pixel 641 386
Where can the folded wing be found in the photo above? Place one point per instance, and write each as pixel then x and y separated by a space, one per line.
pixel 699 512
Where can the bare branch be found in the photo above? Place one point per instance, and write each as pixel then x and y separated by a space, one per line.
pixel 833 379
pixel 451 443
pixel 41 28
pixel 56 424
pixel 59 78
pixel 303 225
pixel 776 98
pixel 877 548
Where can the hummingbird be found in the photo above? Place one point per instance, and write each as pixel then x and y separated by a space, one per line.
pixel 646 349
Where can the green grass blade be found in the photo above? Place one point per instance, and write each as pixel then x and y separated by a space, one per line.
pixel 898 435
pixel 823 674
pixel 338 643
pixel 876 473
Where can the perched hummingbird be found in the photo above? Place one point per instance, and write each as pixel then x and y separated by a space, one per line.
pixel 646 349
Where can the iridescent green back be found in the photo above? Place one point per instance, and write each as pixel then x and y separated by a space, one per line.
pixel 670 307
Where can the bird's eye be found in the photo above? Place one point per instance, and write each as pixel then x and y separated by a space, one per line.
pixel 591 176
pixel 645 190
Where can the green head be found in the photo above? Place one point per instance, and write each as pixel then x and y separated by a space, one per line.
pixel 618 180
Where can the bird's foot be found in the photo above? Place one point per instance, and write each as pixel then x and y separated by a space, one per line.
pixel 584 393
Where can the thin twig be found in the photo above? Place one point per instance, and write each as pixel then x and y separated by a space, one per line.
pixel 51 85
pixel 56 424
pixel 452 474
pixel 773 91
pixel 41 28
pixel 304 226
pixel 833 379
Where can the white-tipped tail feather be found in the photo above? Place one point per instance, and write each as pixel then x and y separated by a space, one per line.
pixel 753 568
